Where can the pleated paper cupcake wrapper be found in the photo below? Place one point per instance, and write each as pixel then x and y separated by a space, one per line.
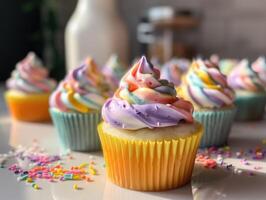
pixel 19 107
pixel 217 126
pixel 250 107
pixel 149 165
pixel 77 131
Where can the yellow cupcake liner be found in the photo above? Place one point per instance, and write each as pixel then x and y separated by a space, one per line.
pixel 150 165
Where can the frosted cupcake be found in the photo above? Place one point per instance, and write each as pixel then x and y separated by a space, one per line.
pixel 259 66
pixel 174 70
pixel 206 87
pixel 29 89
pixel 148 135
pixel 227 65
pixel 250 90
pixel 113 71
pixel 75 107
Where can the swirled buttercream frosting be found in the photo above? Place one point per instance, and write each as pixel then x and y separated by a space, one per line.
pixel 30 76
pixel 246 78
pixel 83 90
pixel 143 100
pixel 174 69
pixel 206 87
pixel 113 71
pixel 259 66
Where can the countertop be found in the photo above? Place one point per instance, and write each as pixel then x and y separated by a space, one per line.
pixel 206 183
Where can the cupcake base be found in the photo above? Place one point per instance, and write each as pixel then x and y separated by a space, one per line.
pixel 217 125
pixel 77 131
pixel 150 165
pixel 250 107
pixel 28 107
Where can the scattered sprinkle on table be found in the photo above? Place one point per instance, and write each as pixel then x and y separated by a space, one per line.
pixel 214 157
pixel 33 163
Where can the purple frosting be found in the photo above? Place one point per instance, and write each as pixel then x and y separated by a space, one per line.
pixel 119 113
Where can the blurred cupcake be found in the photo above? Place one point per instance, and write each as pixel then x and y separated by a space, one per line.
pixel 250 90
pixel 29 89
pixel 113 71
pixel 227 65
pixel 174 70
pixel 259 66
pixel 206 87
pixel 75 107
pixel 148 135
pixel 215 59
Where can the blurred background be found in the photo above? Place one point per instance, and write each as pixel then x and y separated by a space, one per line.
pixel 159 28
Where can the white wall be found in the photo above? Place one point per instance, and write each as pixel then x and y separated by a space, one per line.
pixel 229 27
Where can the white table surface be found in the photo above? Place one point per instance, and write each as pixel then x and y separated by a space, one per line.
pixel 207 184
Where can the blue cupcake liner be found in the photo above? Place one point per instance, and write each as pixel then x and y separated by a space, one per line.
pixel 250 107
pixel 77 131
pixel 217 125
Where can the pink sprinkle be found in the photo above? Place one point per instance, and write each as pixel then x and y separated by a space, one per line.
pixel 257 167
pixel 251 174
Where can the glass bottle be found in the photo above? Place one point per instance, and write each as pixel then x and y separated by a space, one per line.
pixel 95 29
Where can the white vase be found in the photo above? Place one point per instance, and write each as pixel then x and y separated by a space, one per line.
pixel 95 29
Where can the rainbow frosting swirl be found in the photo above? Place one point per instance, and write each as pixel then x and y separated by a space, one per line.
pixel 30 76
pixel 244 78
pixel 259 66
pixel 206 86
pixel 174 69
pixel 83 90
pixel 145 101
pixel 114 71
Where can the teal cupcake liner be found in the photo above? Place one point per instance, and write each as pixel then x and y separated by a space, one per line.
pixel 250 107
pixel 77 131
pixel 217 125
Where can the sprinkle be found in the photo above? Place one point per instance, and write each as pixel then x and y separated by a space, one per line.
pixel 238 154
pixel 22 178
pixel 245 162
pixel 29 180
pixel 92 171
pixel 257 167
pixel 218 154
pixel 83 165
pixel 263 141
pixel 251 174
pixel 219 159
pixel 71 157
pixel 88 179
pixel 258 156
pixel 229 166
pixel 206 161
pixel 75 187
pixel 35 186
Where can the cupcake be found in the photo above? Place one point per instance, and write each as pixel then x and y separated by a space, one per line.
pixel 227 65
pixel 174 70
pixel 113 71
pixel 148 135
pixel 29 89
pixel 259 66
pixel 215 59
pixel 247 81
pixel 206 87
pixel 75 107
